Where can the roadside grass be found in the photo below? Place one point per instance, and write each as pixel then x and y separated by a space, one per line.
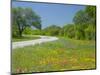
pixel 24 38
pixel 63 54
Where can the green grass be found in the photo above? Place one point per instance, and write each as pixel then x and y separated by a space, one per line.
pixel 63 54
pixel 24 38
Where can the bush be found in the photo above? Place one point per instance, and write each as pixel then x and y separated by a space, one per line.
pixel 28 31
pixel 90 33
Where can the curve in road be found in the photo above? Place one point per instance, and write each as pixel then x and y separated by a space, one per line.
pixel 33 42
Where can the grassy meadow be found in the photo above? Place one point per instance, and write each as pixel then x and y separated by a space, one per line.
pixel 63 54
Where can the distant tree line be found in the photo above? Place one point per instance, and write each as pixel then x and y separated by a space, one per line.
pixel 83 27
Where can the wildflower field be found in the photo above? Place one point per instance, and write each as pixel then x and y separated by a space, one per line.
pixel 63 54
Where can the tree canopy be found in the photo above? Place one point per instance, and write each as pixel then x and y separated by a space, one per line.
pixel 85 23
pixel 25 17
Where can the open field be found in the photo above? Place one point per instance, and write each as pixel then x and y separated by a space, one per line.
pixel 63 54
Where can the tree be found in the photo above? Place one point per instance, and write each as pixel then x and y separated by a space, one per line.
pixel 87 16
pixel 81 17
pixel 25 17
pixel 79 31
pixel 52 30
pixel 85 23
pixel 91 11
pixel 28 31
pixel 91 29
pixel 90 33
pixel 69 30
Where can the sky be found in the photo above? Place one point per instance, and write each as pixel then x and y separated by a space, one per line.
pixel 52 14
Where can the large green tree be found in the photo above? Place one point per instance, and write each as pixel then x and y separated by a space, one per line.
pixel 91 12
pixel 85 23
pixel 86 16
pixel 24 17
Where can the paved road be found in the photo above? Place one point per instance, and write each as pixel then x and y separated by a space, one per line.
pixel 33 42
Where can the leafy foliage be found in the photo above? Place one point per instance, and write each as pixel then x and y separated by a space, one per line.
pixel 69 30
pixel 52 30
pixel 28 31
pixel 85 23
pixel 24 17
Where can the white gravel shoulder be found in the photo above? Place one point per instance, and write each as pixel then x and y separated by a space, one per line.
pixel 33 42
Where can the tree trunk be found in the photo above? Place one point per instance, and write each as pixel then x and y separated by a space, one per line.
pixel 20 33
pixel 20 29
